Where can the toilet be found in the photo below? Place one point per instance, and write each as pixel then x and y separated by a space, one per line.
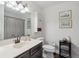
pixel 48 50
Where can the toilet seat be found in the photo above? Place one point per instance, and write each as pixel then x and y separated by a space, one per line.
pixel 49 48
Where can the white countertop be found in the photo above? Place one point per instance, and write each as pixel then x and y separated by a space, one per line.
pixel 13 50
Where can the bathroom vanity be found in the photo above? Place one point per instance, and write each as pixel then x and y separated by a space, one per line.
pixel 24 49
pixel 34 52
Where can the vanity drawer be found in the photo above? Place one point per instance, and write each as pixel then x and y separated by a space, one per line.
pixel 24 55
pixel 36 48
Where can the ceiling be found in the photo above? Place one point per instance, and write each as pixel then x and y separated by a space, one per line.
pixel 45 4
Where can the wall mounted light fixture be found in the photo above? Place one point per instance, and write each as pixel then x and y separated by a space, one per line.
pixel 16 5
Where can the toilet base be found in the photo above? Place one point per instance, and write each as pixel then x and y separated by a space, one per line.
pixel 47 54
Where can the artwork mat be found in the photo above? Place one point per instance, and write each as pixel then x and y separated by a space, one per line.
pixel 65 24
pixel 69 12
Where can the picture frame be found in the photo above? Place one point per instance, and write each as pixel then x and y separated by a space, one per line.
pixel 65 19
pixel 66 24
pixel 65 14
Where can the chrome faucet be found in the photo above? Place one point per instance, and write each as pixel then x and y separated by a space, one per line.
pixel 18 39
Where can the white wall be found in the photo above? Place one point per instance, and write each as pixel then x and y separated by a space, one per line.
pixel 40 24
pixel 35 9
pixel 1 22
pixel 54 33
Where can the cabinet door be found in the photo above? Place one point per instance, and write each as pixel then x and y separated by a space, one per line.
pixel 37 54
pixel 36 48
pixel 23 55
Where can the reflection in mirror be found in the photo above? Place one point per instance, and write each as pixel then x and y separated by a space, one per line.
pixel 28 26
pixel 13 27
pixel 15 23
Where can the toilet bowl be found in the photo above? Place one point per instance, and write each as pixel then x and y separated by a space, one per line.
pixel 48 50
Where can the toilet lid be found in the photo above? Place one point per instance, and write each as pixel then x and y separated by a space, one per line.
pixel 48 47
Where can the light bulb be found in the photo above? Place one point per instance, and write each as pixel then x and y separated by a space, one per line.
pixel 17 9
pixel 26 9
pixel 13 3
pixel 23 11
pixel 2 2
pixel 20 6
pixel 9 5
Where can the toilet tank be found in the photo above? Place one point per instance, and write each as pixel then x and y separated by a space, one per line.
pixel 52 43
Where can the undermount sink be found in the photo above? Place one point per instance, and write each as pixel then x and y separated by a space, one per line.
pixel 19 45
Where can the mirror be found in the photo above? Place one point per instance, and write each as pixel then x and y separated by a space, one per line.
pixel 15 23
pixel 13 27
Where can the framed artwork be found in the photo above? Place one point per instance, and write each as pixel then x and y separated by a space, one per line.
pixel 65 19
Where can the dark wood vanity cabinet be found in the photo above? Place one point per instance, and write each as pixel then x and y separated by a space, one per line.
pixel 38 54
pixel 24 55
pixel 34 52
